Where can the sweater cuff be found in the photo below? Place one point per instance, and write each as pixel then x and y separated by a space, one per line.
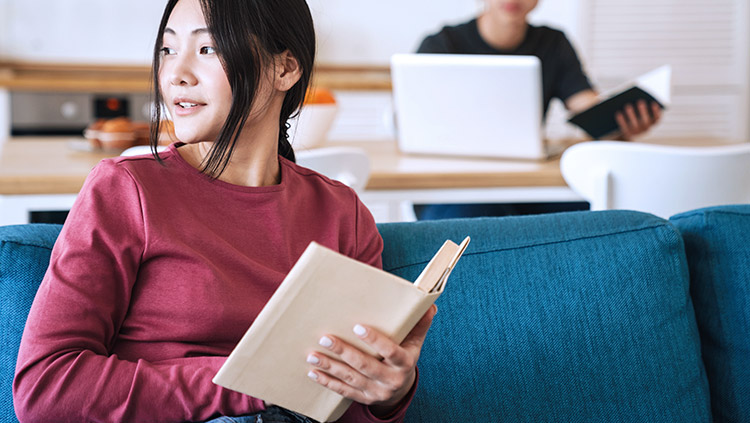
pixel 400 411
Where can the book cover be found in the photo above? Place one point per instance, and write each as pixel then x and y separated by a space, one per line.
pixel 327 293
pixel 599 120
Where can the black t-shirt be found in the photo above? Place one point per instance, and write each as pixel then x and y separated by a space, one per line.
pixel 562 75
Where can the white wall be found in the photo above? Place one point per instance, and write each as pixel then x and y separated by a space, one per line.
pixel 79 31
pixel 3 26
pixel 369 32
pixel 350 32
pixel 373 31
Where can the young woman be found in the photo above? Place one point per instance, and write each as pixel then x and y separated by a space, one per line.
pixel 164 262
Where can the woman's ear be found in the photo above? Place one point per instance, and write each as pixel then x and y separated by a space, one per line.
pixel 287 71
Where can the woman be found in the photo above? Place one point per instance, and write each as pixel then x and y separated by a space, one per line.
pixel 163 263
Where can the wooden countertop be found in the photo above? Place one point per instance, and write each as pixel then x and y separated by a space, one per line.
pixel 49 165
pixel 44 166
pixel 56 77
pixel 392 169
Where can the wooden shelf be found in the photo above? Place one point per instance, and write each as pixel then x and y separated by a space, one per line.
pixel 55 77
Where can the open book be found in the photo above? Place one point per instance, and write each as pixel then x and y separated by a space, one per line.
pixel 599 120
pixel 327 293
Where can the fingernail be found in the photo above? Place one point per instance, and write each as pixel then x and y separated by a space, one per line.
pixel 312 375
pixel 325 342
pixel 360 330
pixel 312 359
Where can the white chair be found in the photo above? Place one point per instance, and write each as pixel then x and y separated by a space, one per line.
pixel 658 179
pixel 141 149
pixel 348 165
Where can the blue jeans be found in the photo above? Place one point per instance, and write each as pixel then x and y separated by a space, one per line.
pixel 272 414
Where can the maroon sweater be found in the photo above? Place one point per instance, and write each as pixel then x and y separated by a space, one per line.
pixel 155 277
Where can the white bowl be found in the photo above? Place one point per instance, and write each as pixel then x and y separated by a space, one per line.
pixel 310 128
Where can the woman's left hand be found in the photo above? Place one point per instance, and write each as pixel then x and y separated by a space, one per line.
pixel 381 384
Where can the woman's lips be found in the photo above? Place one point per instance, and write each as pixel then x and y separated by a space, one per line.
pixel 512 7
pixel 186 107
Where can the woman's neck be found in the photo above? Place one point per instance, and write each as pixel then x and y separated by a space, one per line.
pixel 254 161
pixel 501 34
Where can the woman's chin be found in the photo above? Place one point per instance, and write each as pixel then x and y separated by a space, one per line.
pixel 188 137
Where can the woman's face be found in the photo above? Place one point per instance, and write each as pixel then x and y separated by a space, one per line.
pixel 510 10
pixel 192 80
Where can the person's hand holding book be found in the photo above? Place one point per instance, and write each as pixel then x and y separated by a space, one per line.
pixel 381 384
pixel 636 120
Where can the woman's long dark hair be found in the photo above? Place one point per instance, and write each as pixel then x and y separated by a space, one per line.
pixel 246 35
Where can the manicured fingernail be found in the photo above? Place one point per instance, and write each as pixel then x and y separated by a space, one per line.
pixel 312 375
pixel 325 342
pixel 360 330
pixel 312 359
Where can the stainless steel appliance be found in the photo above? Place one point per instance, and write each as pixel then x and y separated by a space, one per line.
pixel 42 113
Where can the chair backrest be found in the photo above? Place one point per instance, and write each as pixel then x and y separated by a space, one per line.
pixel 348 165
pixel 658 179
pixel 141 149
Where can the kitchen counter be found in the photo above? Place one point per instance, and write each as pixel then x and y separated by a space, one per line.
pixel 46 173
pixel 51 165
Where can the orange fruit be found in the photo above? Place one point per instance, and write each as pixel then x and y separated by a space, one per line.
pixel 319 95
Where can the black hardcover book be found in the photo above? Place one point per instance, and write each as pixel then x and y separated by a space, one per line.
pixel 599 120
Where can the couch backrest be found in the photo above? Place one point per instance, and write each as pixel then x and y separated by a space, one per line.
pixel 24 256
pixel 717 243
pixel 566 317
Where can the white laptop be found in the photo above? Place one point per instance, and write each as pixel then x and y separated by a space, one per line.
pixel 469 105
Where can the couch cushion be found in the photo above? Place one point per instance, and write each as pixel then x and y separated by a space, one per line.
pixel 564 317
pixel 718 251
pixel 24 255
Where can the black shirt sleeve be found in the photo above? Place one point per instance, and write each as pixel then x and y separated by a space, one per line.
pixel 569 78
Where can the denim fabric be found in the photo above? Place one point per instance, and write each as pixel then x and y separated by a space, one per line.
pixel 270 415
pixel 24 255
pixel 572 317
pixel 718 249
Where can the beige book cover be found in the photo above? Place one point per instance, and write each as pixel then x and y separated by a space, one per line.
pixel 327 293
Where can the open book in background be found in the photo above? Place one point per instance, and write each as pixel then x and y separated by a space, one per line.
pixel 599 120
pixel 327 293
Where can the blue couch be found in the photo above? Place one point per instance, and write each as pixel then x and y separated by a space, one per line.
pixel 583 317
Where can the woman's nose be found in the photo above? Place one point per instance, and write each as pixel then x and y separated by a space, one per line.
pixel 181 72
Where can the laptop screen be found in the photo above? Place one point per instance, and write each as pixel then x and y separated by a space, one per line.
pixel 468 105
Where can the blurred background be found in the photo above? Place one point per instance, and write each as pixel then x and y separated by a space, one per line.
pixel 706 42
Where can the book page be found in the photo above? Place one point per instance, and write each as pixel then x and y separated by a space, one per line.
pixel 658 83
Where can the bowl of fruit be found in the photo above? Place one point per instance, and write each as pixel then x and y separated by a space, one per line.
pixel 309 129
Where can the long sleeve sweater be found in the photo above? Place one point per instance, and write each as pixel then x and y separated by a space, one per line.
pixel 156 275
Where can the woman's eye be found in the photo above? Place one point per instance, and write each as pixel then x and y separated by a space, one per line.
pixel 207 50
pixel 167 51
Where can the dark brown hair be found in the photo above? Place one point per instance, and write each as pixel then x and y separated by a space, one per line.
pixel 246 35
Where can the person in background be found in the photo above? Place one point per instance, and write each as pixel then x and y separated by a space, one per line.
pixel 503 28
pixel 165 260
